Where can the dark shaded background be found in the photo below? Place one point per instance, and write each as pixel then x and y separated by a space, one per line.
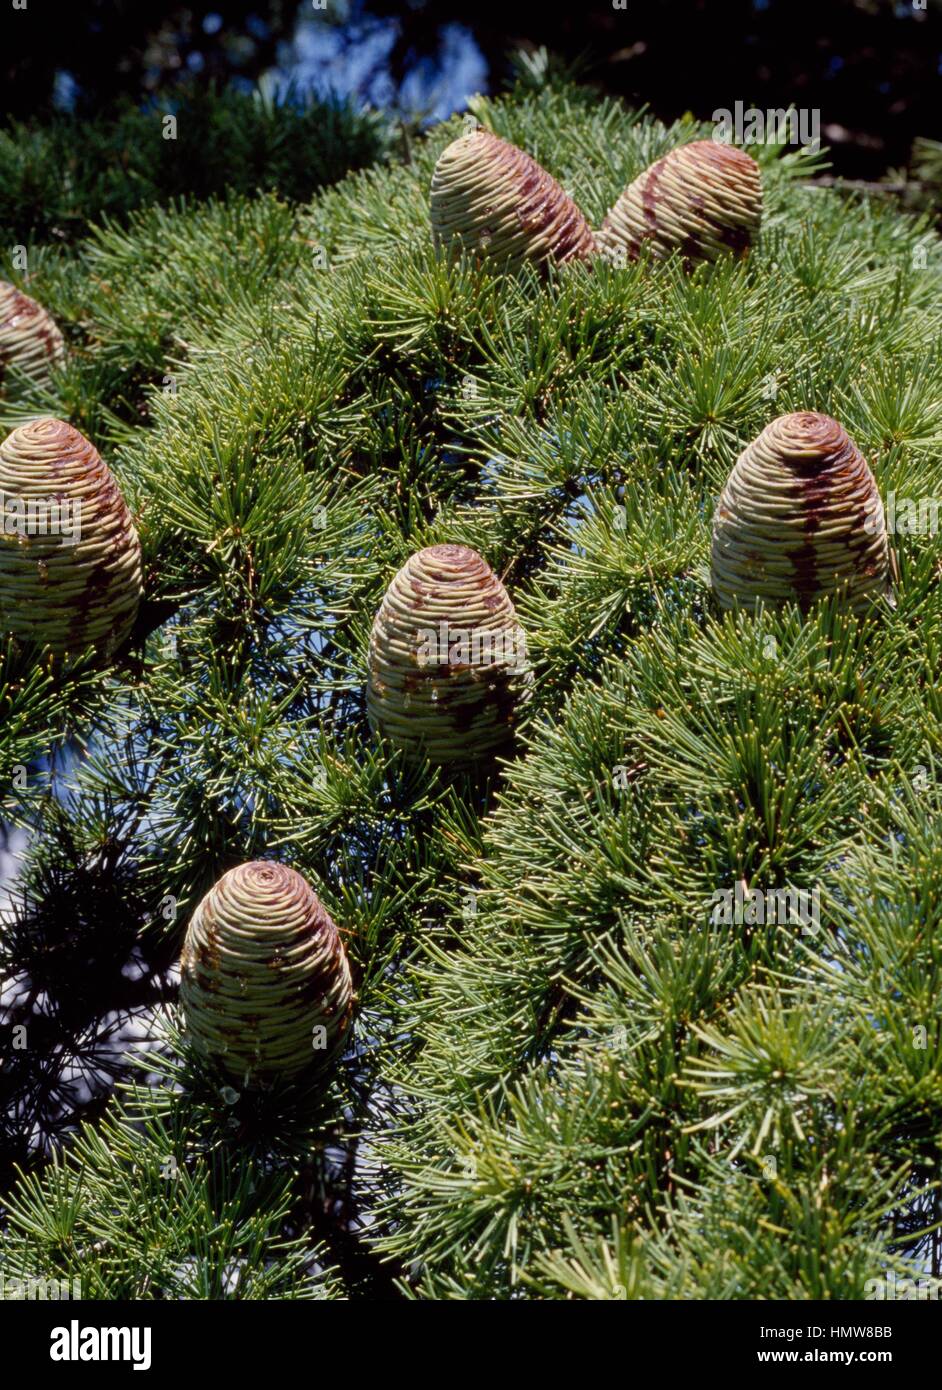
pixel 872 67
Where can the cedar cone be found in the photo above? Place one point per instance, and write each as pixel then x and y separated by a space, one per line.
pixel 70 559
pixel 492 198
pixel 265 985
pixel 29 338
pixel 800 517
pixel 700 199
pixel 447 659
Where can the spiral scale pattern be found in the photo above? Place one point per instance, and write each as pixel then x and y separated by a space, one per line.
pixel 492 198
pixel 447 660
pixel 67 593
pixel 29 338
pixel 265 984
pixel 800 517
pixel 701 199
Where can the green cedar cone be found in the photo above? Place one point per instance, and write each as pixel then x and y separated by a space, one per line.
pixel 490 197
pixel 701 199
pixel 265 986
pixel 800 517
pixel 29 338
pixel 70 559
pixel 446 660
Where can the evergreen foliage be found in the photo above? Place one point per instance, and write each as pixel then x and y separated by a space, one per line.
pixel 566 1080
pixel 59 177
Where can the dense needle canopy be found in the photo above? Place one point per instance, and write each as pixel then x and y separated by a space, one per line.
pixel 565 1077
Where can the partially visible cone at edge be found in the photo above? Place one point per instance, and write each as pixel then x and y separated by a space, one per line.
pixel 265 985
pixel 29 336
pixel 447 659
pixel 70 559
pixel 800 517
pixel 701 199
pixel 492 198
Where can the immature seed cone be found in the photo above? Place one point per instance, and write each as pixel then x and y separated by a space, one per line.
pixel 800 517
pixel 70 560
pixel 491 198
pixel 29 338
pixel 701 199
pixel 265 985
pixel 447 658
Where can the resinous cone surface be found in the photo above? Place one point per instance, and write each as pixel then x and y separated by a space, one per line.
pixel 263 967
pixel 29 337
pixel 800 517
pixel 447 661
pixel 492 198
pixel 67 592
pixel 702 199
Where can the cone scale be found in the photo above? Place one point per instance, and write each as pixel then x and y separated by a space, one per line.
pixel 61 590
pixel 493 199
pixel 446 659
pixel 29 337
pixel 800 518
pixel 265 985
pixel 702 199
